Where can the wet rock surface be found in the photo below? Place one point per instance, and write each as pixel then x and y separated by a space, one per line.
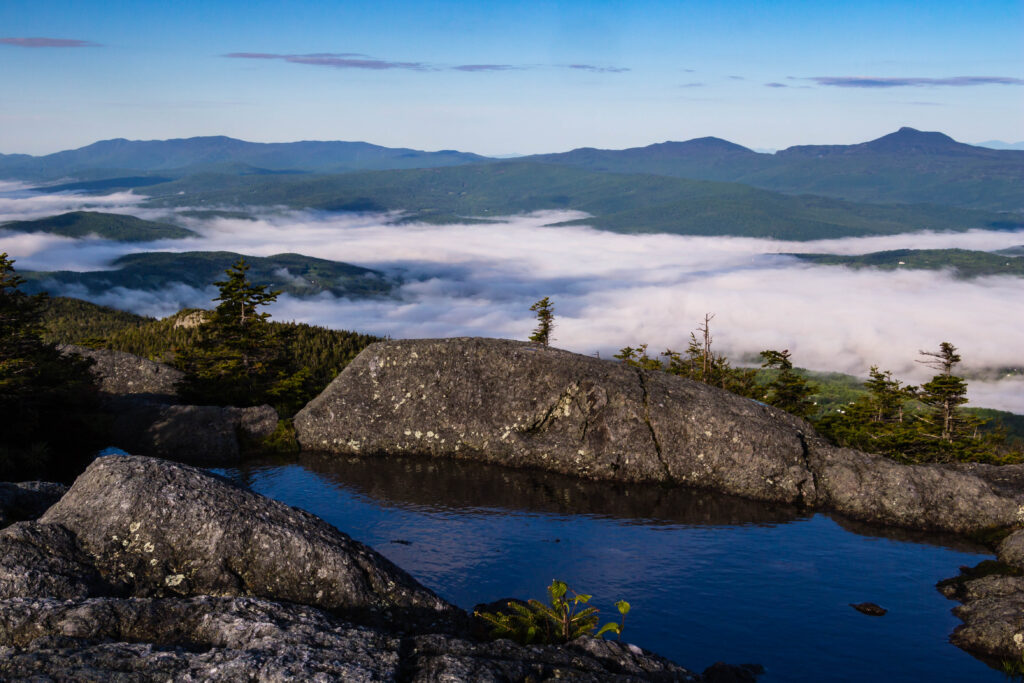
pixel 870 609
pixel 151 570
pixel 522 405
pixel 992 609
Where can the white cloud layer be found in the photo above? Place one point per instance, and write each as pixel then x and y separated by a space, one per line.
pixel 611 290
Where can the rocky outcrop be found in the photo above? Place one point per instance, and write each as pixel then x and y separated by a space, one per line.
pixel 27 499
pixel 993 603
pixel 522 405
pixel 202 435
pixel 142 395
pixel 147 569
pixel 929 497
pixel 122 374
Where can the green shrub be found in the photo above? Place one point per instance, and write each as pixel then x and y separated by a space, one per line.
pixel 559 621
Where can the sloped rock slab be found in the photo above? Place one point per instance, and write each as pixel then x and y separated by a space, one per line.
pixel 927 497
pixel 170 529
pixel 519 404
pixel 206 638
pixel 523 405
pixel 196 639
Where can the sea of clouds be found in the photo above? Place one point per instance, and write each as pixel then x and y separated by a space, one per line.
pixel 609 290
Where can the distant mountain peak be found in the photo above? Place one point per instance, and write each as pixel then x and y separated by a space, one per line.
pixel 705 144
pixel 911 138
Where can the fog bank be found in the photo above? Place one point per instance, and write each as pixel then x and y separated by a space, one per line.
pixel 611 290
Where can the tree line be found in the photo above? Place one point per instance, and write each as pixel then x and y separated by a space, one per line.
pixel 912 424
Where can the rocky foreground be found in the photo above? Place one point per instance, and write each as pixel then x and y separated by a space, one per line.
pixel 993 603
pixel 522 405
pixel 151 570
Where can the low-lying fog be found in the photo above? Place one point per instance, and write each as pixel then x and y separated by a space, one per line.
pixel 609 290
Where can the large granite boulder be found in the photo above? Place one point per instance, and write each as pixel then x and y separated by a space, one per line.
pixel 171 529
pixel 929 497
pixel 202 435
pixel 523 405
pixel 150 570
pixel 147 419
pixel 120 373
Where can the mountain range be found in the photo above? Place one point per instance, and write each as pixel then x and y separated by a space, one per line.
pixel 907 166
pixel 906 181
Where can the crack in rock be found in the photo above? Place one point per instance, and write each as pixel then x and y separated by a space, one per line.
pixel 650 425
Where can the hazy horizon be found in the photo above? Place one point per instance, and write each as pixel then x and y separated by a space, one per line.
pixel 498 78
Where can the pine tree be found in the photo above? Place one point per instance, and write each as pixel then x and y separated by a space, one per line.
pixel 545 311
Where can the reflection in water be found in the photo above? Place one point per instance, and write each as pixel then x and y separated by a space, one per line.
pixel 710 577
pixel 456 484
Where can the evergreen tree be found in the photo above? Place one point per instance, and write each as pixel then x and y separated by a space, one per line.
pixel 239 357
pixel 638 358
pixel 545 311
pixel 788 390
pixel 956 434
pixel 49 400
pixel 887 396
pixel 703 364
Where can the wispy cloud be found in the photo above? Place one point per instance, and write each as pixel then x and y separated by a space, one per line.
pixel 48 42
pixel 898 82
pixel 694 84
pixel 775 85
pixel 355 60
pixel 599 69
pixel 487 67
pixel 336 60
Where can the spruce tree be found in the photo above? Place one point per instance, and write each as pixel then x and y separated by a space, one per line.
pixel 545 311
pixel 956 434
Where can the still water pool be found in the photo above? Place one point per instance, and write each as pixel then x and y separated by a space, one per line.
pixel 709 577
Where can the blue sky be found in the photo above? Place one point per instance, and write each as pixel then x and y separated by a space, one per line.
pixel 508 77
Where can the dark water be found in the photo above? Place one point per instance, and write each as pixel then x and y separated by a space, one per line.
pixel 709 577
